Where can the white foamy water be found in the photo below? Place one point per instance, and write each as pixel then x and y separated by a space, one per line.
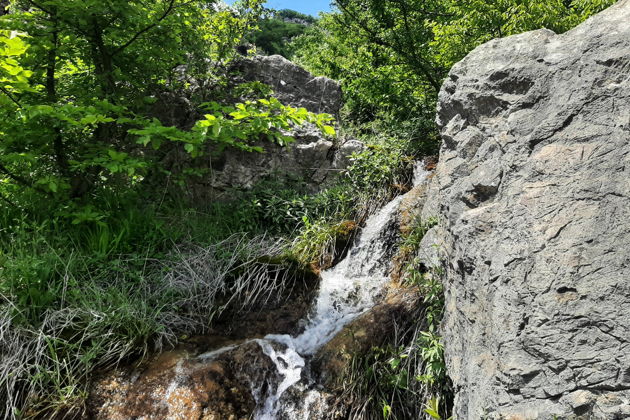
pixel 346 291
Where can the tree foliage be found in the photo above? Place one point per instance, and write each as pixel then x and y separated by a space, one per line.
pixel 392 55
pixel 78 80
pixel 276 30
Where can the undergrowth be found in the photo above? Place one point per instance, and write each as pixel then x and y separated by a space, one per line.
pixel 62 317
pixel 85 289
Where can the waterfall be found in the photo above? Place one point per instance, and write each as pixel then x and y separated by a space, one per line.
pixel 347 290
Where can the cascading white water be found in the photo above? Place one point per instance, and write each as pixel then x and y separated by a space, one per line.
pixel 346 291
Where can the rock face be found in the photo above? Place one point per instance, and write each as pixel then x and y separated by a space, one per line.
pixel 292 84
pixel 533 190
pixel 312 158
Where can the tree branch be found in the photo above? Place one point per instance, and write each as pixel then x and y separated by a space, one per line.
pixel 60 18
pixel 397 46
pixel 169 9
pixel 13 99
pixel 420 61
pixel 20 180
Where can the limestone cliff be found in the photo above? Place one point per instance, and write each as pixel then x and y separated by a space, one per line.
pixel 533 193
pixel 312 158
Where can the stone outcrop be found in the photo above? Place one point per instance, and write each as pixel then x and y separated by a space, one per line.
pixel 313 158
pixel 373 328
pixel 533 193
pixel 291 84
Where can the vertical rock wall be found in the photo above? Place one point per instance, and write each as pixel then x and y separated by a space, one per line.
pixel 533 190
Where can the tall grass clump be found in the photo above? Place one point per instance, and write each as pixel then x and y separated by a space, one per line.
pixel 75 304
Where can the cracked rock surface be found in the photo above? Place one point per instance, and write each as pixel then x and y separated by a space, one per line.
pixel 292 84
pixel 533 190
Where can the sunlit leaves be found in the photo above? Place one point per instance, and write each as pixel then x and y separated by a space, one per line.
pixel 14 78
pixel 238 126
pixel 472 22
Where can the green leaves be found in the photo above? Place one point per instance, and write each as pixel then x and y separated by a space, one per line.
pixel 14 78
pixel 432 408
pixel 247 122
pixel 329 130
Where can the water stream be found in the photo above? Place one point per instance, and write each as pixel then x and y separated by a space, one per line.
pixel 346 291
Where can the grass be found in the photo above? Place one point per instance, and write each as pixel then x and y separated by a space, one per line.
pixel 86 287
pixel 75 304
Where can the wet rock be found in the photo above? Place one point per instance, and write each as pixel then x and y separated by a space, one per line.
pixel 309 403
pixel 177 385
pixel 533 189
pixel 220 375
pixel 372 329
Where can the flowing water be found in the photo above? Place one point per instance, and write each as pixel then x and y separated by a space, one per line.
pixel 346 291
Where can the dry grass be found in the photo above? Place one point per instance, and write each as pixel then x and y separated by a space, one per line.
pixel 99 322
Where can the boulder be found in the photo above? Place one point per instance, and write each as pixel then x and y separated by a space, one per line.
pixel 291 84
pixel 533 192
pixel 313 159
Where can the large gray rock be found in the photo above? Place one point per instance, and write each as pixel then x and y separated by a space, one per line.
pixel 292 84
pixel 313 159
pixel 533 189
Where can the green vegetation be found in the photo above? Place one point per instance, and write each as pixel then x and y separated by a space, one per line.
pixel 407 377
pixel 391 56
pixel 103 256
pixel 276 31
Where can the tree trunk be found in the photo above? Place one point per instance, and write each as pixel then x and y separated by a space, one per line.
pixel 51 94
